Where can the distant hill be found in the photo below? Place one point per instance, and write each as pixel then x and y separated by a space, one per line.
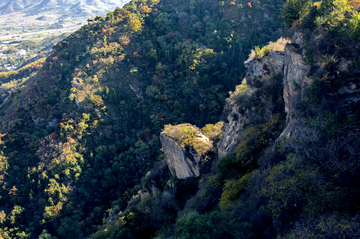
pixel 49 4
pixel 11 7
pixel 61 7
pixel 83 7
pixel 44 18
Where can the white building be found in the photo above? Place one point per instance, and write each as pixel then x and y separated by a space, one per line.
pixel 21 53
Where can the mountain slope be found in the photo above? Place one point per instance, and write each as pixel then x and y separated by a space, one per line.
pixel 94 111
pixel 80 149
pixel 10 7
pixel 288 163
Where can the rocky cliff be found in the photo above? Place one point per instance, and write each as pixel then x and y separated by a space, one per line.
pixel 296 77
pixel 186 159
pixel 259 75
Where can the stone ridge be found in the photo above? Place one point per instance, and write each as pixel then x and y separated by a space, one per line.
pixel 258 74
pixel 297 78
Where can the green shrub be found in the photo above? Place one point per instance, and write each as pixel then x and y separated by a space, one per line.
pixel 252 141
pixel 293 187
pixel 315 92
pixel 235 97
pixel 187 134
pixel 333 14
pixel 261 52
pixel 213 225
pixel 279 45
pixel 232 190
pixel 257 53
pixel 354 25
pixel 213 131
pixel 293 10
pixel 267 50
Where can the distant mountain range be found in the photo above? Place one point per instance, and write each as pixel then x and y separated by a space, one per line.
pixel 34 7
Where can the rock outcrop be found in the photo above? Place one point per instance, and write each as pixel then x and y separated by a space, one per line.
pixel 258 74
pixel 297 76
pixel 296 82
pixel 184 161
pixel 259 71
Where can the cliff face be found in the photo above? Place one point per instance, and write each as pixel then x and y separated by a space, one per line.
pixel 259 74
pixel 328 70
pixel 296 81
pixel 297 77
pixel 185 162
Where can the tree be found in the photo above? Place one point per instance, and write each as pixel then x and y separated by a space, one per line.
pixel 46 235
pixel 212 225
pixel 99 18
pixel 354 24
pixel 164 22
pixel 109 16
pixel 135 24
pixel 293 10
pixel 145 9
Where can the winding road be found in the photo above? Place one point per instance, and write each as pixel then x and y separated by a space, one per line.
pixel 39 32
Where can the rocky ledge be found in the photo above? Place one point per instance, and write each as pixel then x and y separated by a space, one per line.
pixel 186 160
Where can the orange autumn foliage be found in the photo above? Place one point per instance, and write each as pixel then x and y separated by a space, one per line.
pixel 145 9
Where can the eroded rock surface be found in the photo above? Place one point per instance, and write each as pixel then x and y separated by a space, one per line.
pixel 297 77
pixel 296 80
pixel 258 74
pixel 259 70
pixel 184 162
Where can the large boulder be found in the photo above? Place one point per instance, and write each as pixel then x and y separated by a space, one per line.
pixel 188 152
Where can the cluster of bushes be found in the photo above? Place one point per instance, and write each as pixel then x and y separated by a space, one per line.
pixel 334 21
pixel 189 135
pixel 279 45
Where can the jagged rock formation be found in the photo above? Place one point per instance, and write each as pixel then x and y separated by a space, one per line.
pixel 297 77
pixel 185 162
pixel 259 70
pixel 258 74
pixel 296 81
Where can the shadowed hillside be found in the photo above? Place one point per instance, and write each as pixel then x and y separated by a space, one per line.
pixel 118 134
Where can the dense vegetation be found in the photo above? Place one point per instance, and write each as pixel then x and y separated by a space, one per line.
pixel 79 138
pixel 79 135
pixel 302 187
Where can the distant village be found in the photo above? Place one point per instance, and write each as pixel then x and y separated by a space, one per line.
pixel 10 60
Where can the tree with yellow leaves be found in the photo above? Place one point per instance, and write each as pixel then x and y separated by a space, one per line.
pixel 145 9
pixel 135 24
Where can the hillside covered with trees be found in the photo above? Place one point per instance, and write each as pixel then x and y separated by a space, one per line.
pixel 80 140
